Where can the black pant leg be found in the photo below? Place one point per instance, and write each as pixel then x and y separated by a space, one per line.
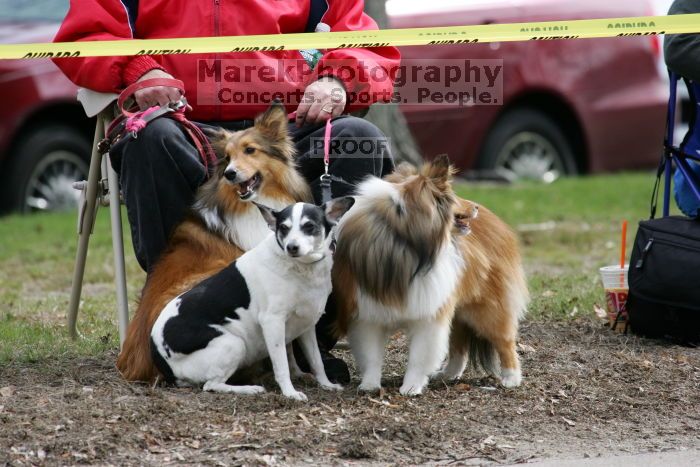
pixel 159 173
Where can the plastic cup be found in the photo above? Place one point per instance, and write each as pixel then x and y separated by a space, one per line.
pixel 616 289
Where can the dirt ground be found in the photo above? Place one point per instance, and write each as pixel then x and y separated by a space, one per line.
pixel 587 392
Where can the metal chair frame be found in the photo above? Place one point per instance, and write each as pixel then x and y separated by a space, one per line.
pixel 101 187
pixel 674 155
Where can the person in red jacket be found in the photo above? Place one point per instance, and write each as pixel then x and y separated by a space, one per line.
pixel 161 170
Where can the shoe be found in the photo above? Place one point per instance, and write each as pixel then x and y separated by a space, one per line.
pixel 336 369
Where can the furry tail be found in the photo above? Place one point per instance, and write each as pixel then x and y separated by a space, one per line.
pixel 135 362
pixel 481 354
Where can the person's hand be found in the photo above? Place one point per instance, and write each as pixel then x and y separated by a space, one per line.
pixel 156 95
pixel 323 99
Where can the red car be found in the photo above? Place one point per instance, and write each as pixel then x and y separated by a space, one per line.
pixel 45 137
pixel 568 106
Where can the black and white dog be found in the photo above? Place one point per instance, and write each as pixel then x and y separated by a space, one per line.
pixel 255 307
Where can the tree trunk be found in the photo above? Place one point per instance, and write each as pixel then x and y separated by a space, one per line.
pixel 388 117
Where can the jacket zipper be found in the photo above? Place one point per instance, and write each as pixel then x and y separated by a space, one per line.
pixel 217 57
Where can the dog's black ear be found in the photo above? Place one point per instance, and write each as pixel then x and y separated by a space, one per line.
pixel 269 215
pixel 273 122
pixel 334 209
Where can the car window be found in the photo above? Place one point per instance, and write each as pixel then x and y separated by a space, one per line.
pixel 33 10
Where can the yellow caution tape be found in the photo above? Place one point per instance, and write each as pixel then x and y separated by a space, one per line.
pixel 575 29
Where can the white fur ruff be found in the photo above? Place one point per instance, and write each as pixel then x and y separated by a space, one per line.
pixel 427 294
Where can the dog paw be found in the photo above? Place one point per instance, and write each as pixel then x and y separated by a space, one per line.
pixel 413 384
pixel 331 386
pixel 296 395
pixel 252 390
pixel 411 389
pixel 511 378
pixel 370 387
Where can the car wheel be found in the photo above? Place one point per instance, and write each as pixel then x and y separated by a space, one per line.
pixel 526 144
pixel 43 167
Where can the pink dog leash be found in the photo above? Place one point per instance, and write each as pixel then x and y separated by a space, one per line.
pixel 326 178
pixel 131 121
pixel 138 121
pixel 326 194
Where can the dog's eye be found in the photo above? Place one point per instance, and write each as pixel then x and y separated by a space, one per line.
pixel 308 228
pixel 284 228
pixel 249 150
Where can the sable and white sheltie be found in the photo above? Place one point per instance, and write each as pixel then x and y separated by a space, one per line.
pixel 255 164
pixel 404 261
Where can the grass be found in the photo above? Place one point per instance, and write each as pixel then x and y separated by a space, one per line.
pixel 568 230
pixel 36 266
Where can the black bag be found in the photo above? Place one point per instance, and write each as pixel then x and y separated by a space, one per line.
pixel 664 280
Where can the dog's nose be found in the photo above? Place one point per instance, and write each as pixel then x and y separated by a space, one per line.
pixel 293 249
pixel 230 174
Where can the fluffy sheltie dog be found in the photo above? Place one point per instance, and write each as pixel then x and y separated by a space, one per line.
pixel 255 307
pixel 255 164
pixel 404 260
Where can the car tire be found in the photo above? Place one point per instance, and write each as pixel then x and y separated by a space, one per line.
pixel 42 168
pixel 527 144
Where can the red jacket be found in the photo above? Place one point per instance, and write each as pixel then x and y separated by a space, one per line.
pixel 215 83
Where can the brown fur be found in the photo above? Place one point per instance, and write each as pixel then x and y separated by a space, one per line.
pixel 485 317
pixel 381 249
pixel 194 252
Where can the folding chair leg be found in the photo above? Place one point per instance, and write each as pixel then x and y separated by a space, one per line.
pixel 85 224
pixel 118 250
